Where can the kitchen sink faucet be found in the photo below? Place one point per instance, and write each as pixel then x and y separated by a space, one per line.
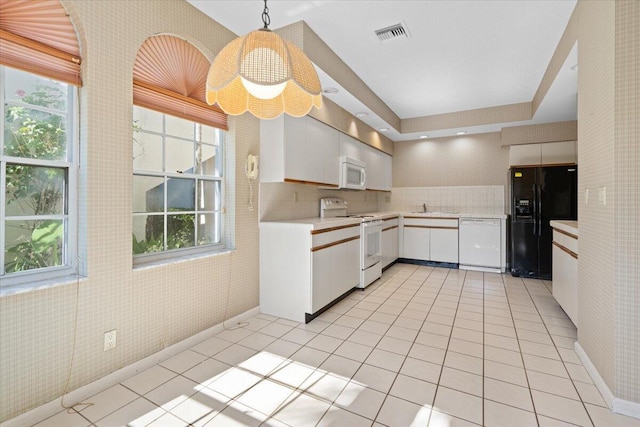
pixel 424 207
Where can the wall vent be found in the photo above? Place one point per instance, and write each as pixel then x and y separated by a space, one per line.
pixel 392 32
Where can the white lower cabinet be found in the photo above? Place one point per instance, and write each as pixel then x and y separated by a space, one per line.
pixel 335 270
pixel 430 239
pixel 390 241
pixel 443 245
pixel 416 242
pixel 302 269
pixel 564 258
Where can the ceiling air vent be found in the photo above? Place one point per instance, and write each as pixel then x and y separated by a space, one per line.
pixel 392 32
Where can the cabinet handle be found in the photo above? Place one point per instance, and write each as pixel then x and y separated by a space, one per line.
pixel 339 242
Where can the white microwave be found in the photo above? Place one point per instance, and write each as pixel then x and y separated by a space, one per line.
pixel 353 174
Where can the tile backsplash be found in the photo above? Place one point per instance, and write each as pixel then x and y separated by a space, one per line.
pixel 283 201
pixel 486 199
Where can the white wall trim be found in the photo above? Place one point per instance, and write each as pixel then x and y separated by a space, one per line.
pixel 619 406
pixel 595 375
pixel 78 395
pixel 626 407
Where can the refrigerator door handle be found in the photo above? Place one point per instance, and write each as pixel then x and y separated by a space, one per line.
pixel 539 201
pixel 535 210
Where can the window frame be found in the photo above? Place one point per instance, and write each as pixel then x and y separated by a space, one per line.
pixel 69 266
pixel 169 255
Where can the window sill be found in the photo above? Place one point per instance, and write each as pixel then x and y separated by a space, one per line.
pixel 142 264
pixel 40 285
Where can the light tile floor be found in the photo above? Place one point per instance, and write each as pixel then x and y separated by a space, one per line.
pixel 423 346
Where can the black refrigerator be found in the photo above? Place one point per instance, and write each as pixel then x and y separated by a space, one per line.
pixel 539 195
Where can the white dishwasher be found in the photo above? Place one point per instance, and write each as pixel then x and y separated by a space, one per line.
pixel 480 244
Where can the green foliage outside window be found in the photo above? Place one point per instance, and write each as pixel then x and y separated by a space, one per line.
pixel 35 190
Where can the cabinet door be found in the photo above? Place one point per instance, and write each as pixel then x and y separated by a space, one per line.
pixel 352 268
pixel 295 156
pixel 444 245
pixel 375 168
pixel 416 243
pixel 351 147
pixel 323 152
pixel 387 164
pixel 395 243
pixel 558 152
pixel 565 282
pixel 523 155
pixel 390 247
pixel 323 274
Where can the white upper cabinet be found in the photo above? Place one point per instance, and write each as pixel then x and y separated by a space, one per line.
pixel 299 149
pixel 307 150
pixel 351 147
pixel 543 154
pixel 558 152
pixel 378 169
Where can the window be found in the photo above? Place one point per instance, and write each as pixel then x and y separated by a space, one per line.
pixel 177 185
pixel 37 177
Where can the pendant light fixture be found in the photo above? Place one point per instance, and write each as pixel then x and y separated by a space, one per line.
pixel 264 74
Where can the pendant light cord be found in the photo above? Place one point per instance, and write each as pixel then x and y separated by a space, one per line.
pixel 265 16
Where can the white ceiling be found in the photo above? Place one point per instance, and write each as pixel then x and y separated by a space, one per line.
pixel 460 55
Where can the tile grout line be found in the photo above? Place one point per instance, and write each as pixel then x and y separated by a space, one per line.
pixel 413 342
pixel 561 360
pixel 448 342
pixel 483 348
pixel 515 329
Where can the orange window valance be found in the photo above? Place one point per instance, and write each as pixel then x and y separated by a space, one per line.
pixel 37 36
pixel 169 75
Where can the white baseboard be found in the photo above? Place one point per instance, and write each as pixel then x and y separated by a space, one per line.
pixel 78 395
pixel 626 407
pixel 619 406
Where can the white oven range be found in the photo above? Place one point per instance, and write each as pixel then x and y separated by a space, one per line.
pixel 370 238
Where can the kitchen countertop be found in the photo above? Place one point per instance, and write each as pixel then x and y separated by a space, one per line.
pixel 570 227
pixel 316 223
pixel 439 215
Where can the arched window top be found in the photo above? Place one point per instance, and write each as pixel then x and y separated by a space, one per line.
pixel 173 64
pixel 169 75
pixel 38 36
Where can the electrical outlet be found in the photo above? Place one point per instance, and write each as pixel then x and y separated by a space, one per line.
pixel 109 340
pixel 586 196
pixel 387 199
pixel 295 196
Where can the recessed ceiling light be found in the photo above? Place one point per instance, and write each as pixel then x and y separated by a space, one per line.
pixel 383 129
pixel 362 114
pixel 330 90
pixel 574 67
pixel 424 136
pixel 461 133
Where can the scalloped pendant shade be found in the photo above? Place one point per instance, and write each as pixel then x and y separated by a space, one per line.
pixel 264 74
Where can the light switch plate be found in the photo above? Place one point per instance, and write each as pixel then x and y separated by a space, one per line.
pixel 602 196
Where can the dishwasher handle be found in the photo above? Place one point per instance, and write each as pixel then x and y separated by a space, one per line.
pixel 480 222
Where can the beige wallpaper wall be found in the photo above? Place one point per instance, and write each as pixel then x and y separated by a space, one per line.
pixel 284 200
pixel 596 264
pixel 608 127
pixel 455 161
pixel 153 307
pixel 627 199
